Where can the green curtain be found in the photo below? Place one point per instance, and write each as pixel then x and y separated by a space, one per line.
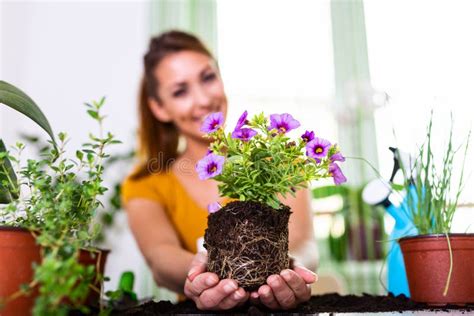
pixel 195 16
pixel 354 105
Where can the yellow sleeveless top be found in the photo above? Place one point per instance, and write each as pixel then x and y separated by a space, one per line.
pixel 187 217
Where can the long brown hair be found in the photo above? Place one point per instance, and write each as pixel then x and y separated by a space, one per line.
pixel 158 141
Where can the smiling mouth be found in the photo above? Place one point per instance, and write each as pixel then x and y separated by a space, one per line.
pixel 199 119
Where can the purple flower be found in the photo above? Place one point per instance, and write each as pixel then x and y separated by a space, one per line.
pixel 336 174
pixel 244 134
pixel 283 123
pixel 307 136
pixel 337 157
pixel 213 207
pixel 242 121
pixel 212 122
pixel 210 166
pixel 317 148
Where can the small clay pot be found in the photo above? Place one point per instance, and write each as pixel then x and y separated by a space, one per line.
pixel 98 259
pixel 18 252
pixel 427 264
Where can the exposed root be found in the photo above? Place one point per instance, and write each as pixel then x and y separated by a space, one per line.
pixel 247 242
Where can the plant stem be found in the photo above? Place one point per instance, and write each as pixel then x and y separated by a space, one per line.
pixel 450 266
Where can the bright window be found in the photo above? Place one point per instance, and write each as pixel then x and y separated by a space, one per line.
pixel 276 56
pixel 421 55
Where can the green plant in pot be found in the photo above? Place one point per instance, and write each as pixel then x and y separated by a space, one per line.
pixel 438 263
pixel 256 164
pixel 362 223
pixel 46 250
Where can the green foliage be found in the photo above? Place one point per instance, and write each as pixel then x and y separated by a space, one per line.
pixel 16 99
pixel 362 225
pixel 58 201
pixel 8 180
pixel 268 165
pixel 435 198
pixel 19 101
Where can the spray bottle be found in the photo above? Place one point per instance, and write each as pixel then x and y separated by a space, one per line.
pixel 380 192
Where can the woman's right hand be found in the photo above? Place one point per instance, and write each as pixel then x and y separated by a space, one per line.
pixel 207 291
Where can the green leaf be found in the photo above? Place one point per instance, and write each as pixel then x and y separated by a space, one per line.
pixel 7 192
pixel 398 187
pixel 79 154
pixel 93 114
pixel 330 190
pixel 19 101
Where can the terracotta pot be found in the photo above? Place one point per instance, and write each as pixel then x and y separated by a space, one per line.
pixel 97 259
pixel 18 251
pixel 427 264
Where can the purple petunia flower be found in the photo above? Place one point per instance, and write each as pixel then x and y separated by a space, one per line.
pixel 244 134
pixel 317 148
pixel 283 122
pixel 337 157
pixel 210 166
pixel 337 174
pixel 213 207
pixel 242 121
pixel 307 136
pixel 212 122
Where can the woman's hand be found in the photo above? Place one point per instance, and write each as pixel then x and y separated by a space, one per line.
pixel 286 290
pixel 207 291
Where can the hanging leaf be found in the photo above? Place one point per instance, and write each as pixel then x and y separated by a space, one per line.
pixel 8 184
pixel 330 190
pixel 19 101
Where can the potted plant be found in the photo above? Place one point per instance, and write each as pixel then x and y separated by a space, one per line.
pixel 256 164
pixel 46 251
pixel 438 263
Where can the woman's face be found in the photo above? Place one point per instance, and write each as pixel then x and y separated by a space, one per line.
pixel 190 88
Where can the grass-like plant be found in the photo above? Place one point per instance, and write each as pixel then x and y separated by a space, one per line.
pixel 432 194
pixel 433 201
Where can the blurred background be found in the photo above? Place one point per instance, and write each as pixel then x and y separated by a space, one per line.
pixel 364 73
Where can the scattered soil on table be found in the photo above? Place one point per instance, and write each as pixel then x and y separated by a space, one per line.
pixel 247 242
pixel 328 303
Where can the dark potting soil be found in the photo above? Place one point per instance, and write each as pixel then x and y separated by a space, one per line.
pixel 328 303
pixel 247 242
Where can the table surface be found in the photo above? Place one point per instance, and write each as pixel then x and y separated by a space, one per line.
pixel 414 313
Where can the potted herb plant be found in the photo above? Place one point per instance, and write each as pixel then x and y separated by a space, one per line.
pixel 438 263
pixel 256 164
pixel 46 251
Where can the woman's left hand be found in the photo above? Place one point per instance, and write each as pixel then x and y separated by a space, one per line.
pixel 286 290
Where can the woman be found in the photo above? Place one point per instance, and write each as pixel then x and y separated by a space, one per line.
pixel 165 200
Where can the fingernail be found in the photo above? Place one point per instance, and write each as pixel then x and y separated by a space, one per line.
pixel 254 295
pixel 274 281
pixel 230 287
pixel 265 292
pixel 238 295
pixel 210 281
pixel 314 275
pixel 285 274
pixel 308 270
pixel 192 271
